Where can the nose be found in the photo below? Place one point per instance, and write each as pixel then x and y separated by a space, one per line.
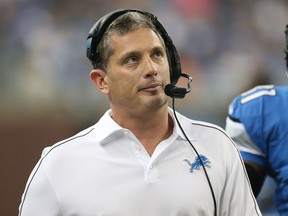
pixel 150 68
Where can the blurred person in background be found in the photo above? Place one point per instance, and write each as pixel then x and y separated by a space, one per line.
pixel 141 157
pixel 258 123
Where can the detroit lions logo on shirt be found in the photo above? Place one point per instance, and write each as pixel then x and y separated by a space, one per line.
pixel 196 165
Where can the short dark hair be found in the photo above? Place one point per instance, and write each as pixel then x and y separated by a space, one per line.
pixel 127 22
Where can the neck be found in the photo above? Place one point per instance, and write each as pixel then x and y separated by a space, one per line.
pixel 150 129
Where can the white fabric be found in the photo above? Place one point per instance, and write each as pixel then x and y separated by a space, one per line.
pixel 238 133
pixel 105 171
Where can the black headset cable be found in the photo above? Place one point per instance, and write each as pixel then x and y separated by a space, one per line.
pixel 198 155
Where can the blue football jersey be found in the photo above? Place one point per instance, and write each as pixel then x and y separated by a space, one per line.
pixel 258 123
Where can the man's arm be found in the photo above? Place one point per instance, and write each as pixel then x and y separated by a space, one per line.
pixel 39 197
pixel 256 176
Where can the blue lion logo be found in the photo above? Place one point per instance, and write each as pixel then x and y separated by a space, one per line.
pixel 197 163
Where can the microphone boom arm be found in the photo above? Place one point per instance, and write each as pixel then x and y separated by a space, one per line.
pixel 178 92
pixel 188 82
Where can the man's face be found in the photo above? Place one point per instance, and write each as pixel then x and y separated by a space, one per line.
pixel 137 71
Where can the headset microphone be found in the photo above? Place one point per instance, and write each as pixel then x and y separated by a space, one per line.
pixel 178 92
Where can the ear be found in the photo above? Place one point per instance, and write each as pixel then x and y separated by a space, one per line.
pixel 98 77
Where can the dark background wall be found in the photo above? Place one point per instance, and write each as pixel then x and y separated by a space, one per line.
pixel 22 141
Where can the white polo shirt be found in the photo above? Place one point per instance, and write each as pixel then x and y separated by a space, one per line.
pixel 105 171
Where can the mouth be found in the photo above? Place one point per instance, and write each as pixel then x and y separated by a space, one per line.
pixel 152 87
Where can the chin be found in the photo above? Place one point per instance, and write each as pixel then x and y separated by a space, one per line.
pixel 157 101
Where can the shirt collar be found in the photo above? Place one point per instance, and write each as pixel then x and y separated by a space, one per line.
pixel 106 127
pixel 185 123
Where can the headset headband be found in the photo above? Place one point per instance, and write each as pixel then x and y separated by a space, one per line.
pixel 100 27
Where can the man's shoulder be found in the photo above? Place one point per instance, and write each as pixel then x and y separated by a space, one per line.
pixel 258 99
pixel 204 127
pixel 77 139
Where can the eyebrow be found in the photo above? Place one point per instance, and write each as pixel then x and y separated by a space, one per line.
pixel 161 48
pixel 133 52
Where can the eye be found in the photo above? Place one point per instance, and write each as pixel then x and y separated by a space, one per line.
pixel 158 53
pixel 132 59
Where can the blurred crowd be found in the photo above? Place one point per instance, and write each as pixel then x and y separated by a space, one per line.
pixel 226 46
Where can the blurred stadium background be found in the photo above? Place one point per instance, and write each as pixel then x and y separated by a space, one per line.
pixel 45 91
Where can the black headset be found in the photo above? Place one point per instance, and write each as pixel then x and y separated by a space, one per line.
pixel 100 27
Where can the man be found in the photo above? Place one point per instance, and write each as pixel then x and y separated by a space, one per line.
pixel 136 160
pixel 258 123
